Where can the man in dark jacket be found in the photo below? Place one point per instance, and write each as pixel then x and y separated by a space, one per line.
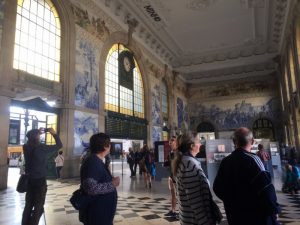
pixel 35 154
pixel 244 186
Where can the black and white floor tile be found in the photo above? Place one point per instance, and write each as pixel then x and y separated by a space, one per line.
pixel 136 205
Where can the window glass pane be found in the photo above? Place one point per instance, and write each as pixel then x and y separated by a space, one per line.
pixel 37 28
pixel 292 70
pixel 286 80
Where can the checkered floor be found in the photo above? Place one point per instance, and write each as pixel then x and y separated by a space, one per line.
pixel 136 205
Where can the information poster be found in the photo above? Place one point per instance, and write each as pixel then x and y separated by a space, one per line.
pixel 216 151
pixel 161 153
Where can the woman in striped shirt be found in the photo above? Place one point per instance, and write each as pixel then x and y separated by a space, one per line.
pixel 193 193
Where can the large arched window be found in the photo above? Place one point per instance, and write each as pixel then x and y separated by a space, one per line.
pixel 292 70
pixel 164 100
pixel 287 86
pixel 117 97
pixel 37 39
pixel 298 40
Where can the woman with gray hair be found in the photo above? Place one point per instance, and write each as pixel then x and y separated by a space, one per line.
pixel 193 193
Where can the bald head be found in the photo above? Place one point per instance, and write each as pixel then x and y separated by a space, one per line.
pixel 243 138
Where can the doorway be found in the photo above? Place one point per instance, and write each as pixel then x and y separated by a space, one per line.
pixel 25 116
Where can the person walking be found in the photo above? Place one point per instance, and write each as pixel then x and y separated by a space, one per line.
pixel 35 154
pixel 145 165
pixel 131 161
pixel 137 159
pixel 194 196
pixel 292 156
pixel 98 183
pixel 244 186
pixel 171 180
pixel 59 163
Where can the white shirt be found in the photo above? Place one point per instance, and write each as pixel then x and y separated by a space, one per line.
pixel 59 161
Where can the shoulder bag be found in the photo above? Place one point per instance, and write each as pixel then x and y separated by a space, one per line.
pixel 216 213
pixel 22 183
pixel 80 200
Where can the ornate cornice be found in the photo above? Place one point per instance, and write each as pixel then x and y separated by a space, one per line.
pixel 152 31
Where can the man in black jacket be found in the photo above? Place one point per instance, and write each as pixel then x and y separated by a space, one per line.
pixel 244 186
pixel 35 154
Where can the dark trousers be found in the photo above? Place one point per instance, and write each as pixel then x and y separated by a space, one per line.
pixel 135 166
pixel 58 168
pixel 34 201
pixel 131 166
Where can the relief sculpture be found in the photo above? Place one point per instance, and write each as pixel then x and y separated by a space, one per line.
pixel 93 25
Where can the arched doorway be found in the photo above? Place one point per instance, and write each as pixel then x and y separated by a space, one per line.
pixel 263 129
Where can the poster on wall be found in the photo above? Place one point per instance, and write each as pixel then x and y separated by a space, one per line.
pixel 161 153
pixel 85 125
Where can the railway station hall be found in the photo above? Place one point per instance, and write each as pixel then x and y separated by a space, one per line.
pixel 149 112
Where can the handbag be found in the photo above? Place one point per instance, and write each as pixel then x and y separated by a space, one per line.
pixel 80 200
pixel 22 183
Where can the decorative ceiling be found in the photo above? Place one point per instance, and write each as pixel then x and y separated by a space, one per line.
pixel 207 40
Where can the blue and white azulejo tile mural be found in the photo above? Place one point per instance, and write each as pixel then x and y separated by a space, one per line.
pixel 86 73
pixel 241 114
pixel 2 4
pixel 85 125
pixel 182 113
pixel 156 118
pixel 156 133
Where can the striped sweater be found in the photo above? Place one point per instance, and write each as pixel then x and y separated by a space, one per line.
pixel 193 193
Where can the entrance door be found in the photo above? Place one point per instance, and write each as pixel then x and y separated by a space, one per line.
pixel 116 149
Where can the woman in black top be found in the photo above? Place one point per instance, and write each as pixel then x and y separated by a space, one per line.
pixel 97 181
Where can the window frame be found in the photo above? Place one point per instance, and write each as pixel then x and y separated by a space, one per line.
pixel 116 96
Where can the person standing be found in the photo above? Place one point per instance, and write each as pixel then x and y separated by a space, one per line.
pixel 171 180
pixel 264 156
pixel 244 186
pixel 59 163
pixel 97 182
pixel 194 196
pixel 35 154
pixel 131 161
pixel 292 156
pixel 291 180
pixel 137 159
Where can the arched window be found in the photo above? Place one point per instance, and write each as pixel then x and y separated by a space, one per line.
pixel 263 128
pixel 287 86
pixel 117 97
pixel 298 39
pixel 292 70
pixel 37 39
pixel 281 97
pixel 164 100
